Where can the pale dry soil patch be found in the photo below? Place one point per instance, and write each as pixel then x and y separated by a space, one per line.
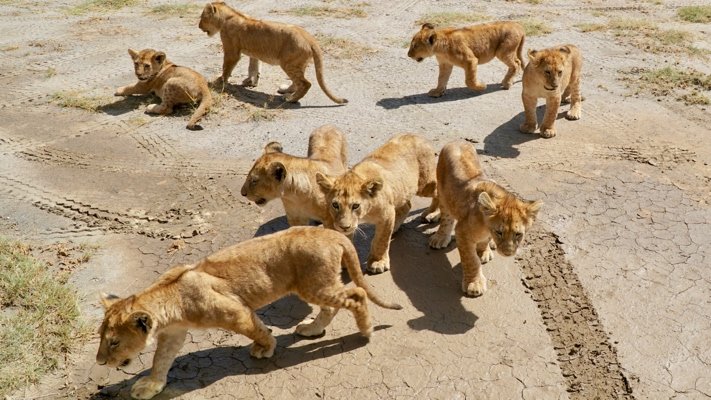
pixel 609 298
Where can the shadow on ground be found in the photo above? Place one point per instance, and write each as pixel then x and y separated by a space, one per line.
pixel 422 98
pixel 125 104
pixel 202 368
pixel 503 141
pixel 265 100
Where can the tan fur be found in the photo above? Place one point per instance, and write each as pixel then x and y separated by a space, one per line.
pixel 469 47
pixel 293 179
pixel 553 74
pixel 378 191
pixel 173 84
pixel 289 46
pixel 482 211
pixel 224 290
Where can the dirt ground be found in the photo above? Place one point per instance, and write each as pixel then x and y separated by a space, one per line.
pixel 609 297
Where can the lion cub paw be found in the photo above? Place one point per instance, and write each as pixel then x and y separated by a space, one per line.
pixel 146 388
pixel 378 267
pixel 261 351
pixel 573 114
pixel 250 81
pixel 309 330
pixel 547 133
pixel 475 288
pixel 120 91
pixel 440 240
pixel 486 256
pixel 527 128
pixel 436 92
pixel 431 217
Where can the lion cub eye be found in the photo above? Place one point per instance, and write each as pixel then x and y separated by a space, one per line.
pixel 335 205
pixel 113 344
pixel 355 206
pixel 519 235
pixel 499 234
pixel 560 73
pixel 548 73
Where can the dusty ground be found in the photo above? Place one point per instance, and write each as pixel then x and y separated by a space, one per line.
pixel 608 299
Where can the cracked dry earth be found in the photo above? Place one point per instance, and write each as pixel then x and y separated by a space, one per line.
pixel 608 298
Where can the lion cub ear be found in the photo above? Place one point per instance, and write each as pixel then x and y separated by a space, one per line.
pixel 487 205
pixel 532 208
pixel 107 300
pixel 432 38
pixel 324 182
pixel 533 56
pixel 142 320
pixel 427 25
pixel 373 186
pixel 133 53
pixel 564 49
pixel 278 171
pixel 273 147
pixel 159 57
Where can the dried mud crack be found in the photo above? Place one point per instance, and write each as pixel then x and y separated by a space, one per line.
pixel 587 359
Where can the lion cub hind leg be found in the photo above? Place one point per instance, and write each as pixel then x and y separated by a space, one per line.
pixel 317 327
pixel 514 66
pixel 247 323
pixel 484 252
pixel 443 236
pixel 299 82
pixel 400 214
pixel 353 299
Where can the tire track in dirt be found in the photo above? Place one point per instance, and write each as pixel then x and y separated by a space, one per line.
pixel 169 224
pixel 588 361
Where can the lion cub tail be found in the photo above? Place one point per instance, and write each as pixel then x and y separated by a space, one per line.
pixel 318 64
pixel 350 260
pixel 203 108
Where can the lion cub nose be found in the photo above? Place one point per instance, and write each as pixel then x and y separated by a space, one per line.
pixel 244 192
pixel 345 227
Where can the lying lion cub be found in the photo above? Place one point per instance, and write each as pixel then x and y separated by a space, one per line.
pixel 293 178
pixel 481 209
pixel 173 84
pixel 224 290
pixel 553 74
pixel 378 191
pixel 289 46
pixel 468 47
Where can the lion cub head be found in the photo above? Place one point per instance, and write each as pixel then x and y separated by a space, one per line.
pixel 124 332
pixel 550 65
pixel 349 198
pixel 422 45
pixel 507 218
pixel 147 63
pixel 210 20
pixel 264 181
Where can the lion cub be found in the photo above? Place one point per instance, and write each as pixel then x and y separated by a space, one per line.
pixel 378 191
pixel 289 46
pixel 293 179
pixel 173 84
pixel 553 74
pixel 481 209
pixel 223 291
pixel 468 47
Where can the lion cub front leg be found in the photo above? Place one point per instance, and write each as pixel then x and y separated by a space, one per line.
pixel 473 280
pixel 484 252
pixel 319 324
pixel 379 258
pixel 443 236
pixel 548 124
pixel 445 71
pixel 529 109
pixel 470 75
pixel 169 343
pixel 138 88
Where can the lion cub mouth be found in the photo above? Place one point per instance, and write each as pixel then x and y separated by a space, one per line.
pixel 260 201
pixel 419 59
pixel 549 89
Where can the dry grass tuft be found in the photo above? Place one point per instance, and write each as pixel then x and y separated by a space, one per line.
pixel 101 5
pixel 697 14
pixel 444 19
pixel 687 86
pixel 74 99
pixel 342 48
pixel 176 10
pixel 535 27
pixel 325 11
pixel 39 318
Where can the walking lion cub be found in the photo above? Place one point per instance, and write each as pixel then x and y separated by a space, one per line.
pixel 469 47
pixel 482 211
pixel 223 291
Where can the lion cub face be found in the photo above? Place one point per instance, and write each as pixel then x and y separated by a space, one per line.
pixel 349 198
pixel 264 180
pixel 209 19
pixel 147 63
pixel 550 64
pixel 422 43
pixel 123 333
pixel 508 218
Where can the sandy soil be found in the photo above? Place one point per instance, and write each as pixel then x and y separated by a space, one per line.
pixel 609 298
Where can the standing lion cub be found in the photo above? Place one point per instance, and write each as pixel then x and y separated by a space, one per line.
pixel 289 46
pixel 293 179
pixel 173 84
pixel 467 48
pixel 482 211
pixel 225 289
pixel 378 191
pixel 553 74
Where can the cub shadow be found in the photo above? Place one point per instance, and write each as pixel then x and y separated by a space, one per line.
pixel 430 282
pixel 265 100
pixel 202 368
pixel 126 104
pixel 502 141
pixel 454 94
